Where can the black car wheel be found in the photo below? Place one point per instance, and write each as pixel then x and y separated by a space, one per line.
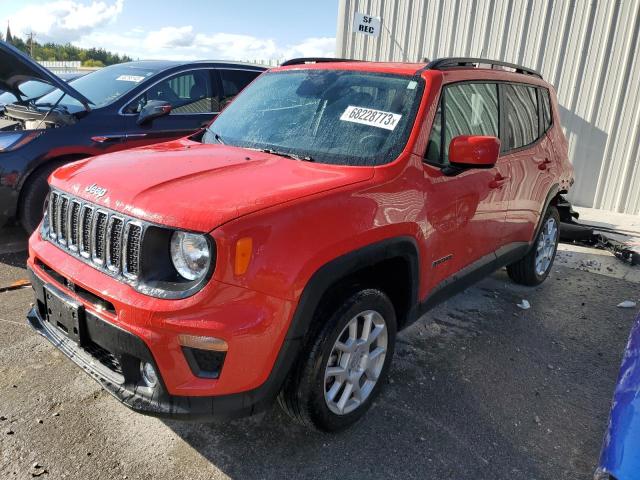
pixel 33 196
pixel 345 364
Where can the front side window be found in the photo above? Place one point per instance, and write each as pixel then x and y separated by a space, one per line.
pixel 190 92
pixel 339 117
pixel 465 109
pixel 521 116
pixel 233 82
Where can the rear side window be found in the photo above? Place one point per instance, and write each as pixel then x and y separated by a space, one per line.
pixel 521 116
pixel 545 109
pixel 465 109
pixel 233 81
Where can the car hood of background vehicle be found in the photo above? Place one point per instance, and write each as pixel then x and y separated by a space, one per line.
pixel 198 187
pixel 17 68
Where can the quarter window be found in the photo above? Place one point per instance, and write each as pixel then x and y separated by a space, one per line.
pixel 546 109
pixel 233 81
pixel 521 116
pixel 465 109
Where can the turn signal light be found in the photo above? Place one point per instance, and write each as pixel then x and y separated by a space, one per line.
pixel 203 343
pixel 244 249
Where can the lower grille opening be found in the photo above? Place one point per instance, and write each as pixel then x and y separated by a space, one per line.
pixel 105 357
pixel 204 363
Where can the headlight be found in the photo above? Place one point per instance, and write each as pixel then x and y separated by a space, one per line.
pixel 13 140
pixel 190 254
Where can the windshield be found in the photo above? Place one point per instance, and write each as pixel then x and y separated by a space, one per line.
pixel 30 90
pixel 101 87
pixel 340 117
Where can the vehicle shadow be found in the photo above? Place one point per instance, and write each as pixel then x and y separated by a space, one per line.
pixel 436 419
pixel 409 433
pixel 12 240
pixel 479 389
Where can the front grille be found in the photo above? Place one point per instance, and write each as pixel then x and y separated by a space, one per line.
pixel 74 222
pixel 133 235
pixel 104 239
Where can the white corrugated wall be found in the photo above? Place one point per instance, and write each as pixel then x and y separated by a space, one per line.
pixel 587 49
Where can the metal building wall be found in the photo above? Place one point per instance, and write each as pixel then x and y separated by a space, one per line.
pixel 588 49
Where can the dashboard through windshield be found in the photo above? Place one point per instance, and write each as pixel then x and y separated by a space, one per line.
pixel 340 117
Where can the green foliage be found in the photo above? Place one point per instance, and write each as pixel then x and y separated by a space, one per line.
pixel 92 63
pixel 91 57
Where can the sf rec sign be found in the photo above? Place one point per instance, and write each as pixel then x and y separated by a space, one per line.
pixel 366 24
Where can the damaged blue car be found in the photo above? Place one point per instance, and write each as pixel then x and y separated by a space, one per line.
pixel 620 457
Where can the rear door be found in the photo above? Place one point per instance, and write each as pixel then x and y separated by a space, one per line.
pixel 195 99
pixel 465 212
pixel 528 150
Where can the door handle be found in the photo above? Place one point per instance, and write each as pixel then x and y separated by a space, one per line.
pixel 498 181
pixel 544 164
pixel 107 138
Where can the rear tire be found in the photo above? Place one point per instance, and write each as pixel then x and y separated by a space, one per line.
pixel 344 365
pixel 33 195
pixel 534 267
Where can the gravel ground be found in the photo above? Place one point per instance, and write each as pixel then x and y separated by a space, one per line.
pixel 479 389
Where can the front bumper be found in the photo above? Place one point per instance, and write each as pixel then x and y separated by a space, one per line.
pixel 140 328
pixel 110 341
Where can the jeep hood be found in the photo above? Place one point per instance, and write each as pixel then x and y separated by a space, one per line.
pixel 17 68
pixel 198 187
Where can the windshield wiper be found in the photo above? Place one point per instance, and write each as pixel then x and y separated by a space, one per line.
pixel 305 158
pixel 216 136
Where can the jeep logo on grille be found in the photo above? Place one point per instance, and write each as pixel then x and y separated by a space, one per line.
pixel 96 190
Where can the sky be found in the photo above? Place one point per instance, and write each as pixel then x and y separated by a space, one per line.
pixel 181 29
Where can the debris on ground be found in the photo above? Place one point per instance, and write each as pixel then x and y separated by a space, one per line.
pixel 627 304
pixel 524 304
pixel 23 283
pixel 38 470
pixel 621 243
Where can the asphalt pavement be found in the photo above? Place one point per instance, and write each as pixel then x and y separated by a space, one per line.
pixel 479 389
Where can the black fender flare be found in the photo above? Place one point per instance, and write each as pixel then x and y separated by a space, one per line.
pixel 553 193
pixel 324 278
pixel 319 284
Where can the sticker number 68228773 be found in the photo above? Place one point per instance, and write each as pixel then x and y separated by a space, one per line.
pixel 371 117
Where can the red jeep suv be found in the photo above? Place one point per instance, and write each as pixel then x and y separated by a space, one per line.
pixel 277 253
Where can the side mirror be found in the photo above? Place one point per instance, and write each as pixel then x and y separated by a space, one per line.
pixel 474 151
pixel 153 109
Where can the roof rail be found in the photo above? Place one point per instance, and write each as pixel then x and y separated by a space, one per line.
pixel 453 62
pixel 303 60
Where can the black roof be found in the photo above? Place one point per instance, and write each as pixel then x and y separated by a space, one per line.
pixel 159 65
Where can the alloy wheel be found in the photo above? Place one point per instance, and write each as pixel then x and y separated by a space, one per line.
pixel 355 362
pixel 546 247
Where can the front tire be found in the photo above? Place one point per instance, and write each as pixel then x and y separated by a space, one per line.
pixel 534 268
pixel 345 365
pixel 33 195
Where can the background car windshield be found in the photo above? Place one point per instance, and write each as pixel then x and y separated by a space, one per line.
pixel 101 87
pixel 30 90
pixel 340 117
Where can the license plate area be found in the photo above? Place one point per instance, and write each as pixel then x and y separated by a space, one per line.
pixel 65 314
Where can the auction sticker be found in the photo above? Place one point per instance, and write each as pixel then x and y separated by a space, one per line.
pixel 130 78
pixel 371 117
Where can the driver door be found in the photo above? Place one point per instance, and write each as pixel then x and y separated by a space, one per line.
pixel 194 98
pixel 465 211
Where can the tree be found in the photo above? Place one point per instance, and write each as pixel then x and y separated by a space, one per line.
pixel 54 51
